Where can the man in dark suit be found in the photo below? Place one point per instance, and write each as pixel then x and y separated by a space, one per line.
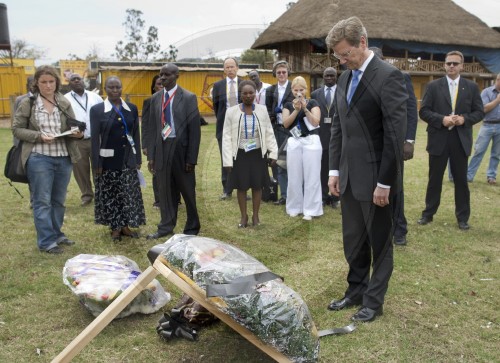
pixel 451 106
pixel 225 95
pixel 324 97
pixel 400 222
pixel 366 148
pixel 277 96
pixel 172 142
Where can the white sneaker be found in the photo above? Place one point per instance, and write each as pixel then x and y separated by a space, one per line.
pixel 293 215
pixel 307 218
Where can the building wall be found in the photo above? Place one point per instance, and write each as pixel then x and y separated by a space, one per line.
pixel 137 84
pixel 12 84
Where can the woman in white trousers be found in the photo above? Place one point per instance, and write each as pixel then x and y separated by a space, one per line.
pixel 301 117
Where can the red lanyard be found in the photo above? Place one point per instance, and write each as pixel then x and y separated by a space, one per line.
pixel 164 105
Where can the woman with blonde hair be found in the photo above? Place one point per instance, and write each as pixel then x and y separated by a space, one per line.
pixel 301 117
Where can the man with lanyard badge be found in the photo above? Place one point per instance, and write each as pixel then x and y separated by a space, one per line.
pixel 82 101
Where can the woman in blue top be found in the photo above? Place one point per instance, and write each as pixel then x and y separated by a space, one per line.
pixel 116 157
pixel 301 117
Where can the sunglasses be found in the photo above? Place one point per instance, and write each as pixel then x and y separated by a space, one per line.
pixel 281 72
pixel 452 64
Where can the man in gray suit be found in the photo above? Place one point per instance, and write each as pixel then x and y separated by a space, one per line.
pixel 173 141
pixel 366 148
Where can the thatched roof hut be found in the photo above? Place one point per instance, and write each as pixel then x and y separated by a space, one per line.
pixel 426 26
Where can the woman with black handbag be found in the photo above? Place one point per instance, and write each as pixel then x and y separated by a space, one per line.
pixel 47 157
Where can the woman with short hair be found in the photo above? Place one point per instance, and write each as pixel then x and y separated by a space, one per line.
pixel 247 138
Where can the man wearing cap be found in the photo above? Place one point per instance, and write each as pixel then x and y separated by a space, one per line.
pixel 82 101
pixel 276 96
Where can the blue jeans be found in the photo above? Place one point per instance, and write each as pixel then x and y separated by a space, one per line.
pixel 487 132
pixel 49 178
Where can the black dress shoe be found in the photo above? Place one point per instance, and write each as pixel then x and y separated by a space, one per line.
pixel 365 314
pixel 343 303
pixel 55 250
pixel 281 201
pixel 225 196
pixel 424 220
pixel 400 241
pixel 157 235
pixel 464 226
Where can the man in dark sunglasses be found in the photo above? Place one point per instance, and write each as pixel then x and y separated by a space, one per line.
pixel 451 106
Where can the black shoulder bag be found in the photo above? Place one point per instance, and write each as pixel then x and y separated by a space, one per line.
pixel 14 169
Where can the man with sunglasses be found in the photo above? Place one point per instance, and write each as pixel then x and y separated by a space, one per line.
pixel 278 95
pixel 451 106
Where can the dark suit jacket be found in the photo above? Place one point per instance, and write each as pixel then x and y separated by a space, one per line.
pixel 436 104
pixel 219 99
pixel 324 129
pixel 272 97
pixel 366 146
pixel 107 132
pixel 412 112
pixel 187 128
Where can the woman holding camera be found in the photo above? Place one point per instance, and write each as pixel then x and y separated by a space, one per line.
pixel 46 156
pixel 301 117
pixel 247 138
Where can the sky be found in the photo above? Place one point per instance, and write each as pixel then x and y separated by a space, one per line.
pixel 63 27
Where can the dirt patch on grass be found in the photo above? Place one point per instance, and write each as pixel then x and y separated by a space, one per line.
pixel 5 123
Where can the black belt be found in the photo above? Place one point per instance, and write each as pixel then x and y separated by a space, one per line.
pixel 312 132
pixel 492 122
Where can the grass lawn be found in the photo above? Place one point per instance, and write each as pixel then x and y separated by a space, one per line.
pixel 442 304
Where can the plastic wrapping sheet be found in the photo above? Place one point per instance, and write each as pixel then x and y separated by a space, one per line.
pixel 98 280
pixel 272 311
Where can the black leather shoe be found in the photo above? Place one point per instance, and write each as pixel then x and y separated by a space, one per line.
pixel 343 303
pixel 157 235
pixel 281 201
pixel 365 314
pixel 55 250
pixel 464 226
pixel 225 196
pixel 424 220
pixel 400 241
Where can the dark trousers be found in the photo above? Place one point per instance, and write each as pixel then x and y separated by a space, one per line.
pixel 281 174
pixel 325 192
pixel 224 172
pixel 398 205
pixel 172 180
pixel 367 234
pixel 458 166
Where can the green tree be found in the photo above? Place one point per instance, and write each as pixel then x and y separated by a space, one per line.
pixel 136 47
pixel 22 49
pixel 257 56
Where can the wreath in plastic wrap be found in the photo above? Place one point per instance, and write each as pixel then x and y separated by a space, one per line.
pixel 98 280
pixel 271 310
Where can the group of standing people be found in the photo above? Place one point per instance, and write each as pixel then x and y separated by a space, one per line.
pixel 108 149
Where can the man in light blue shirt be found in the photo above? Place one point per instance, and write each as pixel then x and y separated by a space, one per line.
pixel 489 131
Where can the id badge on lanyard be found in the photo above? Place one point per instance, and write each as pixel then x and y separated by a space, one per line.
pixel 167 129
pixel 130 139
